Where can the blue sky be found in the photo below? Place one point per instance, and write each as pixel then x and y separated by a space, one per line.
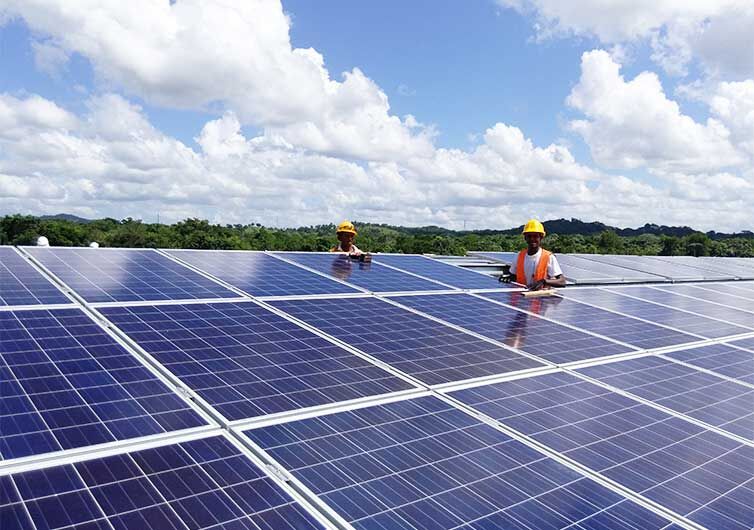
pixel 460 68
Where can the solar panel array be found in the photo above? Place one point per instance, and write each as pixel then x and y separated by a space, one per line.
pixel 251 390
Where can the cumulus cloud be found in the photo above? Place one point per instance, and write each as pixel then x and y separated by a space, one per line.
pixel 717 33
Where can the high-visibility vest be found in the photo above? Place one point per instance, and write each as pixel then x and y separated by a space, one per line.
pixel 540 273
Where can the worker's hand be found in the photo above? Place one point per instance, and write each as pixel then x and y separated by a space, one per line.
pixel 539 285
pixel 505 278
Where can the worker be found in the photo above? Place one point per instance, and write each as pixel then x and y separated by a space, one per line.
pixel 535 267
pixel 346 233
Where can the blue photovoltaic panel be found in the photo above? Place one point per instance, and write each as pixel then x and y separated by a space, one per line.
pixel 726 314
pixel 695 472
pixel 736 289
pixel 706 397
pixel 720 358
pixel 504 257
pixel 652 265
pixel 744 343
pixel 66 383
pixel 715 266
pixel 441 272
pixel 198 485
pixel 371 276
pixel 423 348
pixel 247 361
pixel 424 465
pixel 22 284
pixel 547 340
pixel 583 270
pixel 260 274
pixel 711 294
pixel 121 275
pixel 638 333
pixel 666 316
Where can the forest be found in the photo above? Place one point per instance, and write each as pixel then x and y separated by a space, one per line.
pixel 564 236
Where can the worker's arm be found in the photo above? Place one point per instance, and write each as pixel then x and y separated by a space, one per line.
pixel 558 281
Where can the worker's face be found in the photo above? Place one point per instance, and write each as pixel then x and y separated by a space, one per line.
pixel 346 239
pixel 533 240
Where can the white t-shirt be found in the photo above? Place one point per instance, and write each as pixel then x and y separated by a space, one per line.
pixel 530 266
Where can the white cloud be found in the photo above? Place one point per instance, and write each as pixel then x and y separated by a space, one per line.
pixel 716 32
pixel 632 124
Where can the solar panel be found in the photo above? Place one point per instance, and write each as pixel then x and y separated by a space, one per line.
pixel 711 295
pixel 430 351
pixel 22 284
pixel 371 276
pixel 582 270
pixel 260 274
pixel 744 343
pixel 424 465
pixel 638 333
pixel 651 265
pixel 549 341
pixel 503 257
pixel 737 289
pixel 706 397
pixel 719 312
pixel 716 266
pixel 721 359
pixel 120 275
pixel 196 485
pixel 246 361
pixel 67 384
pixel 441 272
pixel 695 472
pixel 680 320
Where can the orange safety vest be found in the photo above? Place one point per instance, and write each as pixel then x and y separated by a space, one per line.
pixel 540 273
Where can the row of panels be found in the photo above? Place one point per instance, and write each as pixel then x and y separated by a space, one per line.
pixel 124 275
pixel 598 268
pixel 420 463
pixel 68 382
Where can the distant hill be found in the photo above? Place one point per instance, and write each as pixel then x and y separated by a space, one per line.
pixel 66 217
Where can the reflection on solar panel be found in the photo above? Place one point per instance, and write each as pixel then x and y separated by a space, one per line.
pixel 716 266
pixel 200 484
pixel 653 265
pixel 441 272
pixel 706 397
pixel 693 471
pixel 644 335
pixel 260 274
pixel 721 359
pixel 711 295
pixel 66 383
pixel 422 464
pixel 725 314
pixel 22 284
pixel 120 275
pixel 371 276
pixel 547 340
pixel 247 361
pixel 680 320
pixel 423 348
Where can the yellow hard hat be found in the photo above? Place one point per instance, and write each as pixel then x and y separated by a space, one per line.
pixel 534 227
pixel 346 226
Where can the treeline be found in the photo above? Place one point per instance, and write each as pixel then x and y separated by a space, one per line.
pixel 200 234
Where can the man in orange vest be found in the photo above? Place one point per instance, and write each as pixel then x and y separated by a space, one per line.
pixel 535 267
pixel 346 233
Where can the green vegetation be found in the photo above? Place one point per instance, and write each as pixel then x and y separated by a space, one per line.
pixel 198 233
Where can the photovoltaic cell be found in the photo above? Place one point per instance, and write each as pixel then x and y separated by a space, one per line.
pixel 737 289
pixel 680 320
pixel 423 348
pixel 706 397
pixel 503 257
pixel 726 314
pixel 695 472
pixel 260 274
pixel 715 266
pixel 247 361
pixel 121 275
pixel 66 384
pixel 371 276
pixel 582 270
pixel 652 265
pixel 710 294
pixel 744 343
pixel 643 335
pixel 721 359
pixel 197 485
pixel 22 284
pixel 547 340
pixel 424 465
pixel 441 272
